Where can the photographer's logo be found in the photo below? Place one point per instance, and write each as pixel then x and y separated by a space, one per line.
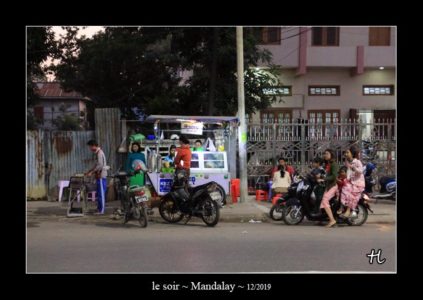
pixel 378 256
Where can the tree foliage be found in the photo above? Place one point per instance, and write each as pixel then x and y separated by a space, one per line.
pixel 140 67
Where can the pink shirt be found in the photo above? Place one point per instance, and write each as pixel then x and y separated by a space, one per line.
pixel 356 177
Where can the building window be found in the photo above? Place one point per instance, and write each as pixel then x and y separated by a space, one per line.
pixel 321 90
pixel 378 90
pixel 379 36
pixel 318 119
pixel 278 91
pixel 270 116
pixel 268 35
pixel 325 36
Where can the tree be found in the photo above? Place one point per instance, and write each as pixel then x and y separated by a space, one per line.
pixel 67 121
pixel 140 66
pixel 211 54
pixel 40 45
pixel 120 67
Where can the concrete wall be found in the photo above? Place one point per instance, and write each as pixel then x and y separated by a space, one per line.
pixel 344 55
pixel 285 54
pixel 350 94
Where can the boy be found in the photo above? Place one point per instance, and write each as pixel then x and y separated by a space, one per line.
pixel 341 181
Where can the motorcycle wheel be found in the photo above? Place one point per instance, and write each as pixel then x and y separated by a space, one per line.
pixel 293 215
pixel 143 220
pixel 223 193
pixel 210 212
pixel 169 212
pixel 362 215
pixel 276 212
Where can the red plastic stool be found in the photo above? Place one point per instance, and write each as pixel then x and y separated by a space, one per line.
pixel 233 194
pixel 261 195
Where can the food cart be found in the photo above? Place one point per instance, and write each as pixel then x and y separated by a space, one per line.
pixel 206 165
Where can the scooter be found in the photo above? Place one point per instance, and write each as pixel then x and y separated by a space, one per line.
pixel 388 188
pixel 304 205
pixel 369 170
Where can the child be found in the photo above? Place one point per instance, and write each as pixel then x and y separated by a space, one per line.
pixel 341 181
pixel 318 172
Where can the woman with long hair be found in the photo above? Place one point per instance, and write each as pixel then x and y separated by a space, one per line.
pixel 331 168
pixel 355 184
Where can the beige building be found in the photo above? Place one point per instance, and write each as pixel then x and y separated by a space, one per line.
pixel 328 73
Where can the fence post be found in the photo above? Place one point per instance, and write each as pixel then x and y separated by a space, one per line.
pixel 303 142
pixel 360 142
pixel 274 145
pixel 389 145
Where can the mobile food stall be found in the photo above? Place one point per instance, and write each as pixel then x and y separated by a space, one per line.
pixel 211 164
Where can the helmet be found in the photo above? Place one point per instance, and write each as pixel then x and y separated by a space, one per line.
pixel 174 137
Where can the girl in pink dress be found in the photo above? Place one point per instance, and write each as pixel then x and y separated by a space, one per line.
pixel 351 192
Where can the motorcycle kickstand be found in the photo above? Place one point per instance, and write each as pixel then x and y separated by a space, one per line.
pixel 187 218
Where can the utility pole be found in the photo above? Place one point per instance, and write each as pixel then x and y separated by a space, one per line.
pixel 242 130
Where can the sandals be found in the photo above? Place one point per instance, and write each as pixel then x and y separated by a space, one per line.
pixel 329 225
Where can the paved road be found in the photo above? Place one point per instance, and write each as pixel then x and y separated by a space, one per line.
pixel 229 247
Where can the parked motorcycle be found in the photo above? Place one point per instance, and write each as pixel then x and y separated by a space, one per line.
pixel 303 204
pixel 137 205
pixel 197 201
pixel 133 198
pixel 388 188
pixel 370 181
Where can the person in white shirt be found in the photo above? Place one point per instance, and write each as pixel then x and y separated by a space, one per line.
pixel 281 181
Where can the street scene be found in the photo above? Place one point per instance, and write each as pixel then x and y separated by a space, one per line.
pixel 211 149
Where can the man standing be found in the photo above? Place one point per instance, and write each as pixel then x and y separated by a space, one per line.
pixel 100 172
pixel 183 159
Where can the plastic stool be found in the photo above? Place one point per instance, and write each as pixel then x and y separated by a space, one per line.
pixel 91 196
pixel 234 195
pixel 261 195
pixel 236 183
pixel 62 184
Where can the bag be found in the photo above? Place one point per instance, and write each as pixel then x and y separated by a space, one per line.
pixel 209 146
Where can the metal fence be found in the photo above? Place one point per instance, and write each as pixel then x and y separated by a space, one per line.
pixel 54 156
pixel 300 142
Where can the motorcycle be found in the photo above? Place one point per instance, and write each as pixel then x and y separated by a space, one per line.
pixel 277 210
pixel 302 203
pixel 369 170
pixel 133 198
pixel 137 205
pixel 197 201
pixel 388 188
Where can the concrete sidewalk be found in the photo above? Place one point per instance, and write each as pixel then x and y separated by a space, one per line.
pixel 250 211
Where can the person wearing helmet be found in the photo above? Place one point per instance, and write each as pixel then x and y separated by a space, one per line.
pixel 134 162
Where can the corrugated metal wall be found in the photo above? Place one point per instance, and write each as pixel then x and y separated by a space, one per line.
pixel 35 184
pixel 108 134
pixel 67 153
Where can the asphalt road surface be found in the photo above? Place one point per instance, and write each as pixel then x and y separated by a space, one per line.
pixel 54 246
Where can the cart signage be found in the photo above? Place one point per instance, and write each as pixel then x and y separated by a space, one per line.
pixel 165 185
pixel 195 128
